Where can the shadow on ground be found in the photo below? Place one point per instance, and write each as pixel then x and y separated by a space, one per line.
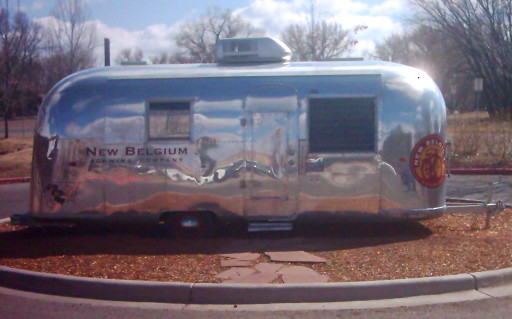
pixel 151 240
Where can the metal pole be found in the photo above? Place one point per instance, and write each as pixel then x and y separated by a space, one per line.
pixel 479 86
pixel 478 105
pixel 6 121
pixel 23 116
pixel 107 51
pixel 6 66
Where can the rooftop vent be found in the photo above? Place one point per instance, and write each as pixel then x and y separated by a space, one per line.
pixel 243 50
pixel 135 62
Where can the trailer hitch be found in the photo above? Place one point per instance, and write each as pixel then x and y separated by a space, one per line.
pixel 467 207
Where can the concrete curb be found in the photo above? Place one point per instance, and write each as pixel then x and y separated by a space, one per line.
pixel 92 288
pixel 493 279
pixel 189 293
pixel 333 292
pixel 14 180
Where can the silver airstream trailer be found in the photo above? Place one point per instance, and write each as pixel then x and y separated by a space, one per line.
pixel 254 137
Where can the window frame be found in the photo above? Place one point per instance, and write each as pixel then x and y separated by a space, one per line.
pixel 148 119
pixel 376 108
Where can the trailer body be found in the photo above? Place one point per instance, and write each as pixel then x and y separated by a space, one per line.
pixel 264 142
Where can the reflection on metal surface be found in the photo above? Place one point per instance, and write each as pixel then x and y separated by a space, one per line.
pixel 247 154
pixel 270 137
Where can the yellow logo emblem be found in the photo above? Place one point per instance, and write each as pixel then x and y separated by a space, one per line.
pixel 428 161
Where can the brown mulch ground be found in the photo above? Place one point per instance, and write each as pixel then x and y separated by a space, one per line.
pixel 360 252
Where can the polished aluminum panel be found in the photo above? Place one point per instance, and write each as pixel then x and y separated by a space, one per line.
pixel 247 154
pixel 271 145
pixel 412 108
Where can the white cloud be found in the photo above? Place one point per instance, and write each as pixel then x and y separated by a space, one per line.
pixel 390 8
pixel 272 15
pixel 37 5
pixel 382 19
pixel 346 6
pixel 363 48
pixel 378 27
pixel 275 15
pixel 152 40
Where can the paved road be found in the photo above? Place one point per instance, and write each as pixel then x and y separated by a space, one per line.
pixel 477 187
pixel 19 305
pixel 13 199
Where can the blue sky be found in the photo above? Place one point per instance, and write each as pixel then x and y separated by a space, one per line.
pixel 136 14
pixel 151 24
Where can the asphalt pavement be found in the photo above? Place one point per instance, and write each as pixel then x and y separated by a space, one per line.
pixel 478 187
pixel 20 305
pixel 14 199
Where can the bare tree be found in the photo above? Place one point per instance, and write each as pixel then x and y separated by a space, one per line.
pixel 161 58
pixel 481 30
pixel 168 58
pixel 196 40
pixel 70 40
pixel 396 48
pixel 317 39
pixel 129 55
pixel 429 49
pixel 422 47
pixel 20 38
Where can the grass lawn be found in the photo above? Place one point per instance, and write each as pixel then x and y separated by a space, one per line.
pixel 479 141
pixel 15 156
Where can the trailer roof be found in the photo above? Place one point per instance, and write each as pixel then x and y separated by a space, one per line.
pixel 245 70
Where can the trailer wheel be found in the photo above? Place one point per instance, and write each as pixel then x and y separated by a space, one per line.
pixel 189 225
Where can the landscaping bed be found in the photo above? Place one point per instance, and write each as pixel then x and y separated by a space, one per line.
pixel 353 252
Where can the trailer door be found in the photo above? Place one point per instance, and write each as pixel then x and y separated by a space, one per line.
pixel 271 152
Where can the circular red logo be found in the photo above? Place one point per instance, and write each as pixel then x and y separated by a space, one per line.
pixel 428 161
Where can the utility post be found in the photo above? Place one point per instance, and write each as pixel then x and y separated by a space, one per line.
pixel 6 45
pixel 107 51
pixel 479 87
pixel 453 93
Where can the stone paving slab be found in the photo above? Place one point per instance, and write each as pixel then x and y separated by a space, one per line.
pixel 299 274
pixel 268 268
pixel 295 256
pixel 242 256
pixel 235 263
pixel 297 270
pixel 235 273
pixel 259 278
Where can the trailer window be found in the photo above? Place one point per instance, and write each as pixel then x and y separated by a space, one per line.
pixel 339 125
pixel 169 120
